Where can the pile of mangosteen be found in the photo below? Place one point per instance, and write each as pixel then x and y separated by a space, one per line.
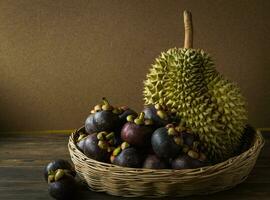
pixel 150 139
pixel 153 139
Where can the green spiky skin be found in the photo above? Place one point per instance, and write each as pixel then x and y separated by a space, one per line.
pixel 186 80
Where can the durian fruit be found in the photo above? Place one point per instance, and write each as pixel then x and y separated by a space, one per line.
pixel 185 80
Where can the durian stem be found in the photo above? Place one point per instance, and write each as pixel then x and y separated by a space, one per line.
pixel 188 42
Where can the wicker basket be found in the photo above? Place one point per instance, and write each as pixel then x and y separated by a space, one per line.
pixel 131 182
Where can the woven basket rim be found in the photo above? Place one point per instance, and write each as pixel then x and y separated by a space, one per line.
pixel 258 143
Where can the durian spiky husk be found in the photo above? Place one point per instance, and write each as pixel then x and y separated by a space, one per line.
pixel 213 107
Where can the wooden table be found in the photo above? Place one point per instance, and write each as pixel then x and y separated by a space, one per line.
pixel 23 157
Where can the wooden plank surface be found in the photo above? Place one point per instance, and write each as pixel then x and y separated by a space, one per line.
pixel 23 157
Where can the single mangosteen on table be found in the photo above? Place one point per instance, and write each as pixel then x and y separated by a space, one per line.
pixel 62 185
pixel 98 146
pixel 59 164
pixel 167 142
pixel 103 117
pixel 159 115
pixel 152 161
pixel 137 131
pixel 126 156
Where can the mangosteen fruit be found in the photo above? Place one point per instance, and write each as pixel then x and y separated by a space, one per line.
pixel 80 141
pixel 137 131
pixel 102 118
pixel 126 111
pixel 157 114
pixel 185 161
pixel 62 186
pixel 188 138
pixel 166 142
pixel 126 157
pixel 154 162
pixel 59 164
pixel 118 150
pixel 98 146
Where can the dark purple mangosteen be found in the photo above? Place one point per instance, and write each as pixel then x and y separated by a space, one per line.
pixel 185 161
pixel 188 138
pixel 166 142
pixel 157 115
pixel 102 118
pixel 58 164
pixel 61 185
pixel 80 141
pixel 137 131
pixel 126 156
pixel 98 146
pixel 154 162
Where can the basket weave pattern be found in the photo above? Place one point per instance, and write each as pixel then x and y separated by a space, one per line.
pixel 131 182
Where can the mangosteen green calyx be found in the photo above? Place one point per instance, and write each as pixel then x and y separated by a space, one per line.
pixel 99 146
pixel 137 131
pixel 59 164
pixel 158 114
pixel 126 156
pixel 152 161
pixel 103 117
pixel 62 185
pixel 185 80
pixel 167 142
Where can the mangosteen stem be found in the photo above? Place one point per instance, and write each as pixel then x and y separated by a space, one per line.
pixel 140 120
pixel 110 136
pixel 141 116
pixel 106 105
pixel 105 101
pixel 188 41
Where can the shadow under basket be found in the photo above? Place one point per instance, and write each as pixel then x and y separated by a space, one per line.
pixel 133 182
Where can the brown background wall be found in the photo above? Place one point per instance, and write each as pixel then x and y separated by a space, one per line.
pixel 58 58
